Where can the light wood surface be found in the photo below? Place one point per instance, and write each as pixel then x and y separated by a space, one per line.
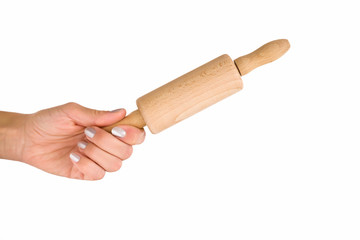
pixel 198 89
pixel 190 93
pixel 265 54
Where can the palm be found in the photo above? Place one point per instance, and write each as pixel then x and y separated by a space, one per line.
pixel 49 140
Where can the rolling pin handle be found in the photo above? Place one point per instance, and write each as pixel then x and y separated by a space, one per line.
pixel 263 55
pixel 134 119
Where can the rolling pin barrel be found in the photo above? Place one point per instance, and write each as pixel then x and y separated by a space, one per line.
pixel 190 93
pixel 198 89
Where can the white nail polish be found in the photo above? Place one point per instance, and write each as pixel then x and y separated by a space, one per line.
pixel 82 144
pixel 74 157
pixel 118 131
pixel 90 132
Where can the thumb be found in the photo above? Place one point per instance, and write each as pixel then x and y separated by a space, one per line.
pixel 88 117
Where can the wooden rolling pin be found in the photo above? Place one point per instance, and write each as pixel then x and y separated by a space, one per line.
pixel 198 89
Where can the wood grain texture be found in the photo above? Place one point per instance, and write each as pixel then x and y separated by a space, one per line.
pixel 190 93
pixel 198 89
pixel 265 54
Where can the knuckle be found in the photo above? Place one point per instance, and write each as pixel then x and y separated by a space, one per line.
pixel 115 166
pixel 90 150
pixel 127 151
pixel 98 175
pixel 71 105
pixel 97 113
pixel 141 138
pixel 99 136
pixel 71 108
pixel 132 140
pixel 135 136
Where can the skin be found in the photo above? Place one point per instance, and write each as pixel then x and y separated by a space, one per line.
pixel 46 138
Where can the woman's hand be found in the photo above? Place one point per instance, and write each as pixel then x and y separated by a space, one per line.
pixel 67 141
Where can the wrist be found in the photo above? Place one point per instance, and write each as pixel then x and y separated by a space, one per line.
pixel 11 135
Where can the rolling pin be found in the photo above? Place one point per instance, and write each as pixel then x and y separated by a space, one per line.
pixel 198 89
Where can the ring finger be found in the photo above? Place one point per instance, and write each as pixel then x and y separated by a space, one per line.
pixel 104 159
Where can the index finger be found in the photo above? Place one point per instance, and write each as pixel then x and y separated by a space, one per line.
pixel 129 134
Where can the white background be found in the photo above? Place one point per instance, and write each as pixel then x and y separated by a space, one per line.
pixel 279 160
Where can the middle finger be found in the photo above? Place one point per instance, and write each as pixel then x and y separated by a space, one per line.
pixel 108 142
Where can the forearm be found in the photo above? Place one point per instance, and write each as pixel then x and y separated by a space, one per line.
pixel 11 135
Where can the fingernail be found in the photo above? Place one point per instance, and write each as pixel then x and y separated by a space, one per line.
pixel 74 157
pixel 118 131
pixel 117 110
pixel 90 132
pixel 82 144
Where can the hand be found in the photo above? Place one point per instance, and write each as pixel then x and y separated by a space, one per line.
pixel 67 141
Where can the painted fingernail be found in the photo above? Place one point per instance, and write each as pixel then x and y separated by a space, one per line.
pixel 118 131
pixel 82 144
pixel 117 110
pixel 74 157
pixel 90 132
